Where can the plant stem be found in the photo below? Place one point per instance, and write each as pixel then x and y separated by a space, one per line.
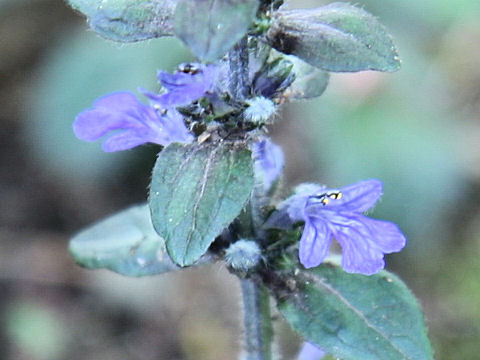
pixel 256 301
pixel 238 58
pixel 258 330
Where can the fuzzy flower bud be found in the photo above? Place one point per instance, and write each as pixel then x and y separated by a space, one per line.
pixel 243 255
pixel 260 110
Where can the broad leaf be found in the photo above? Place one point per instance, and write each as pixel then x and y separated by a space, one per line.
pixel 356 316
pixel 337 37
pixel 128 20
pixel 125 242
pixel 196 192
pixel 211 27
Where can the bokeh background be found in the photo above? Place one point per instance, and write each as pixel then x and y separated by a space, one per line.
pixel 417 130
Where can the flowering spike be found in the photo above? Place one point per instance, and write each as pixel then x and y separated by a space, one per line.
pixel 137 123
pixel 338 213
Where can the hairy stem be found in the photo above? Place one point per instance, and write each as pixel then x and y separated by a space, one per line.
pixel 238 58
pixel 258 331
pixel 256 301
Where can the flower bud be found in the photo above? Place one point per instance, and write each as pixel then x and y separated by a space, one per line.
pixel 243 255
pixel 273 77
pixel 260 110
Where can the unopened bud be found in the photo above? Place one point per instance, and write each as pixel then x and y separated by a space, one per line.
pixel 259 110
pixel 243 255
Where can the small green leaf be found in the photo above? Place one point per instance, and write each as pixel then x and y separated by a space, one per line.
pixel 196 192
pixel 310 82
pixel 211 27
pixel 356 316
pixel 125 242
pixel 337 37
pixel 128 20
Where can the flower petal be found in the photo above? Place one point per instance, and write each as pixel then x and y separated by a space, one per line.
pixel 310 351
pixel 314 243
pixel 364 241
pixel 119 110
pixel 358 197
pixel 174 129
pixel 124 140
pixel 177 80
pixel 120 101
pixel 184 88
pixel 181 96
pixel 297 203
pixel 269 162
pixel 138 123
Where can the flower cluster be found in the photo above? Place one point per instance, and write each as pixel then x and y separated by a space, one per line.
pixel 134 123
pixel 326 213
pixel 338 213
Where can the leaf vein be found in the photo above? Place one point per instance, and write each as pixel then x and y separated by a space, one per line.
pixel 198 199
pixel 356 311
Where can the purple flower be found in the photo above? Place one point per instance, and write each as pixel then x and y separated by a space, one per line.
pixel 310 352
pixel 331 213
pixel 189 83
pixel 133 122
pixel 269 162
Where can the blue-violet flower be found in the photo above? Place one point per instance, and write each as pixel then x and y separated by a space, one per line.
pixel 269 162
pixel 189 83
pixel 309 351
pixel 338 213
pixel 136 123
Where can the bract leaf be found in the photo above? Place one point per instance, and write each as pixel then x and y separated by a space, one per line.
pixel 125 242
pixel 128 20
pixel 356 316
pixel 310 82
pixel 338 37
pixel 211 27
pixel 196 192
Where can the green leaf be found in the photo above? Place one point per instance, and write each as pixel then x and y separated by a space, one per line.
pixel 310 82
pixel 337 37
pixel 125 242
pixel 211 27
pixel 356 316
pixel 196 192
pixel 128 20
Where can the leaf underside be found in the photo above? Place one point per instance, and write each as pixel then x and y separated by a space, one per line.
pixel 211 27
pixel 125 242
pixel 128 20
pixel 338 37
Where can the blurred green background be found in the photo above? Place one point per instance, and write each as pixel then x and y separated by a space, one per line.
pixel 417 130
